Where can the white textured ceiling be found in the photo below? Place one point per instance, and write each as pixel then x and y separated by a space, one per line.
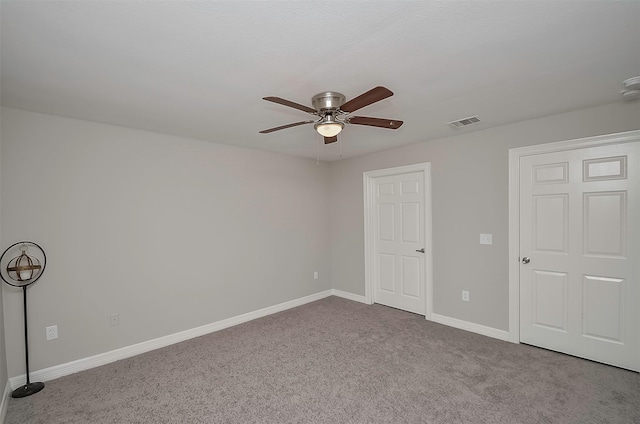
pixel 199 69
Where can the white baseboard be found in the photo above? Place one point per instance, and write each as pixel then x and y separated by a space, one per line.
pixel 72 367
pixel 350 296
pixel 470 326
pixel 61 370
pixel 441 319
pixel 5 401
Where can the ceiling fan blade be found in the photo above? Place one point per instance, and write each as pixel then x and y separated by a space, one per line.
pixel 290 104
pixel 371 96
pixel 391 124
pixel 295 124
pixel 329 140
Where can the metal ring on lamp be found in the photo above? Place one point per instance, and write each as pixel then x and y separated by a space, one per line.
pixel 44 264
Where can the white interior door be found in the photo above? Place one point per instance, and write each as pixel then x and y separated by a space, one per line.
pixel 580 255
pixel 399 241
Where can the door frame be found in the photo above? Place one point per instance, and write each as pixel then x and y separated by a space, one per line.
pixel 514 207
pixel 368 184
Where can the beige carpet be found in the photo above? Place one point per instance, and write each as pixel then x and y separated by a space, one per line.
pixel 337 361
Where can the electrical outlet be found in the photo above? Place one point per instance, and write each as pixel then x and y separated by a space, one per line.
pixel 114 320
pixel 52 332
pixel 315 275
pixel 486 238
pixel 465 295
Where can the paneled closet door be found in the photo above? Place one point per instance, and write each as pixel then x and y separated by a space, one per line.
pixel 579 253
pixel 400 242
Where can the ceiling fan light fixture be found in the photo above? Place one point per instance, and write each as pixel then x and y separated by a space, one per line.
pixel 329 129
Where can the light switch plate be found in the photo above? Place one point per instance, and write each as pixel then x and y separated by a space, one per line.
pixel 486 238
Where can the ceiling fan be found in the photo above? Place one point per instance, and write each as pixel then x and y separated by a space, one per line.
pixel 334 112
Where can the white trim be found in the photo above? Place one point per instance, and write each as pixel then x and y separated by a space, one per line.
pixel 441 319
pixel 578 143
pixel 514 246
pixel 514 207
pixel 470 326
pixel 367 188
pixel 4 404
pixel 72 367
pixel 428 241
pixel 368 178
pixel 350 296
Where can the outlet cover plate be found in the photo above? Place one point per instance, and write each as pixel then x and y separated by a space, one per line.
pixel 486 238
pixel 465 295
pixel 52 332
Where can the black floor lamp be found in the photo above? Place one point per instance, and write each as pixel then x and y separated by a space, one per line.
pixel 22 271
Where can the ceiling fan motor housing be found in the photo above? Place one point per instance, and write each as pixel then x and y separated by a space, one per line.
pixel 329 100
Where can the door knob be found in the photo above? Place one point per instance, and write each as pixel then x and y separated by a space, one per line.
pixel 526 260
pixel 421 250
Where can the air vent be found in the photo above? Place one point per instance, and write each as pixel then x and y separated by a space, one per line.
pixel 464 122
pixel 631 89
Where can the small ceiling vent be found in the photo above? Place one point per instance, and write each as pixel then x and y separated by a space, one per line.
pixel 631 89
pixel 464 122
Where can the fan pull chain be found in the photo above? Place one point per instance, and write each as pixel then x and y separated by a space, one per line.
pixel 341 141
pixel 318 153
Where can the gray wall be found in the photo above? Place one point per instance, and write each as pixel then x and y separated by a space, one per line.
pixel 3 352
pixel 171 233
pixel 174 233
pixel 470 196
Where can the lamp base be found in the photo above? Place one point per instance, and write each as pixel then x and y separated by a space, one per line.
pixel 27 390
